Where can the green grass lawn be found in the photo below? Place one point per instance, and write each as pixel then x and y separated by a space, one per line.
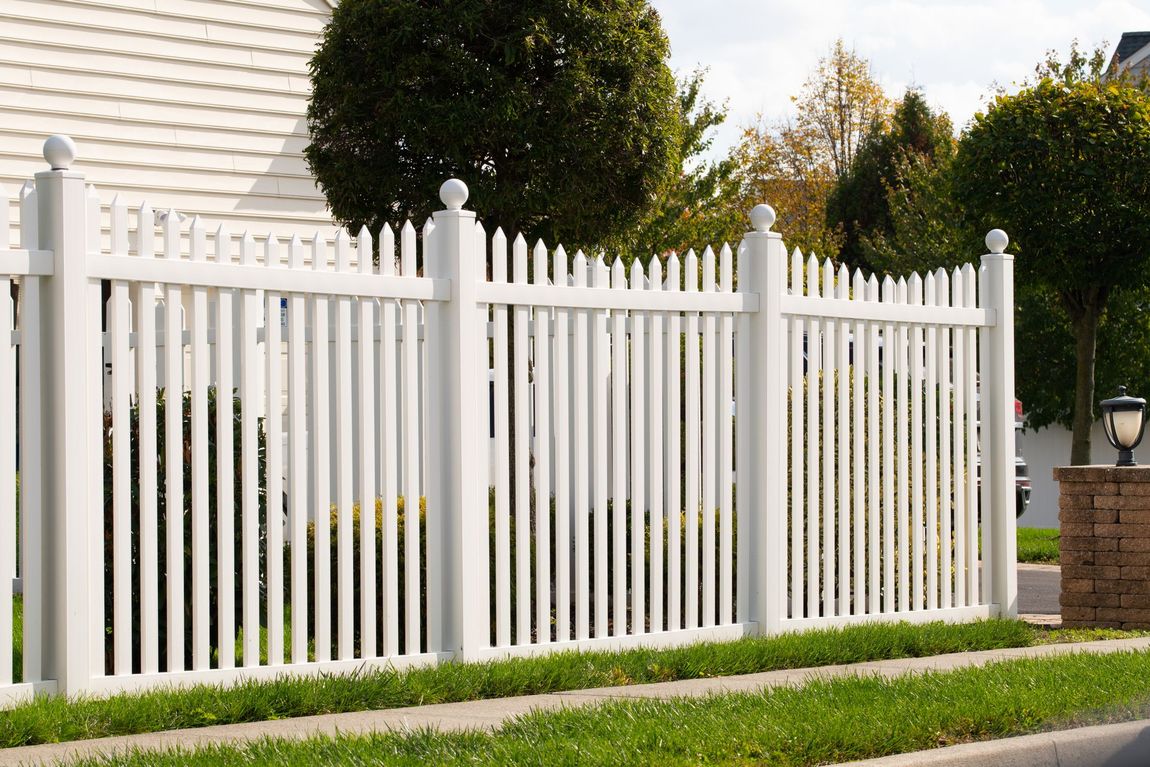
pixel 1038 545
pixel 823 722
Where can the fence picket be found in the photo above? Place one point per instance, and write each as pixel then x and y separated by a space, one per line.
pixel 344 443
pixel 249 461
pixel 710 427
pixel 655 462
pixel 366 433
pixel 843 495
pixel 201 380
pixel 145 312
pixel 814 442
pixel 412 637
pixel 542 408
pixel 174 449
pixel 502 451
pixel 320 422
pixel 673 454
pixel 119 326
pixel 297 457
pixel 970 389
pixel 889 533
pixel 873 473
pixel 563 440
pixel 600 374
pixel 581 368
pixel 857 363
pixel 798 432
pixel 389 448
pixel 903 483
pixel 225 466
pixel 638 458
pixel 521 449
pixel 914 295
pixel 619 456
pixel 930 440
pixel 693 502
pixel 274 435
pixel 946 489
pixel 726 464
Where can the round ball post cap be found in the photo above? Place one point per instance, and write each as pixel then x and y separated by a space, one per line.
pixel 997 240
pixel 453 193
pixel 60 152
pixel 762 217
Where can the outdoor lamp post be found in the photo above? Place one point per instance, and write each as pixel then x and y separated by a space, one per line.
pixel 1124 419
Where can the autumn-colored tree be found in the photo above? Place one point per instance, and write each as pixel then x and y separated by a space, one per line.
pixel 793 165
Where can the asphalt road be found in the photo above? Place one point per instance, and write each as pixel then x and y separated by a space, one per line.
pixel 1038 589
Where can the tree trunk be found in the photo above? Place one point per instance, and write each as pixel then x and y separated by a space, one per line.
pixel 1085 310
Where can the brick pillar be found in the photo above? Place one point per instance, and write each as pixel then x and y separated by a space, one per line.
pixel 1104 513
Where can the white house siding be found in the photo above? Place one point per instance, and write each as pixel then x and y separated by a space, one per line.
pixel 196 105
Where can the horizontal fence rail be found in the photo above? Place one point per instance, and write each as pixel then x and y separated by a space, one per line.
pixel 227 457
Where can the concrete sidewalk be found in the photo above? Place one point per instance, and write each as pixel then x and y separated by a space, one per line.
pixel 491 714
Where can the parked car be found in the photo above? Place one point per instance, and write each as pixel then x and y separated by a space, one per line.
pixel 1021 470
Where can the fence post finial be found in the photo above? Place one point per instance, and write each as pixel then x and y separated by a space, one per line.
pixel 453 193
pixel 996 241
pixel 60 151
pixel 762 218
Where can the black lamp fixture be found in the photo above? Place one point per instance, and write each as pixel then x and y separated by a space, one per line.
pixel 1124 419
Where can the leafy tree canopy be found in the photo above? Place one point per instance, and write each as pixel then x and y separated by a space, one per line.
pixel 561 115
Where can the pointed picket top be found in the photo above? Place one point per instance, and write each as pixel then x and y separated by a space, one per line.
pixel 942 287
pixel 872 288
pixel 118 222
pixel 796 272
pixel 407 240
pixel 970 286
pixel 726 269
pixel 708 270
pixel 579 269
pixel 171 229
pixel 637 275
pixel 385 242
pixel 601 273
pixel 618 274
pixel 519 260
pixel 842 288
pixel 428 227
pixel 928 289
pixel 655 272
pixel 673 272
pixel 364 247
pixel 559 267
pixel 248 249
pixel 888 289
pixel 691 271
pixel 858 286
pixel 146 232
pixel 499 256
pixel 197 236
pixel 539 256
pixel 27 190
pixel 342 250
pixel 914 284
pixel 272 252
pixel 295 252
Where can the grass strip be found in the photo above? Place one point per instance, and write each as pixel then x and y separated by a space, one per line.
pixel 1037 545
pixel 823 722
pixel 54 719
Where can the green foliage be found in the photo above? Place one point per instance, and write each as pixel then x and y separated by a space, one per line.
pixel 860 201
pixel 561 117
pixel 214 470
pixel 1037 545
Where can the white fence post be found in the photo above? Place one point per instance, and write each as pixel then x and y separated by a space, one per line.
pixel 456 499
pixel 764 267
pixel 997 425
pixel 73 480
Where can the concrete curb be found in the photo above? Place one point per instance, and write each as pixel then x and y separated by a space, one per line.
pixel 1109 745
pixel 491 714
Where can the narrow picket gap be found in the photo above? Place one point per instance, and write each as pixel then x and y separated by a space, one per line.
pixel 365 439
pixel 843 496
pixel 798 432
pixel 144 301
pixel 541 398
pixel 409 454
pixel 858 356
pixel 502 467
pixel 582 393
pixel 709 503
pixel 619 458
pixel 389 449
pixel 814 442
pixel 274 435
pixel 344 445
pixel 656 462
pixel 829 491
pixel 297 457
pixel 692 500
pixel 889 533
pixel 673 454
pixel 930 439
pixel 873 454
pixel 563 443
pixel 637 568
pixel 521 449
pixel 249 461
pixel 201 380
pixel 726 436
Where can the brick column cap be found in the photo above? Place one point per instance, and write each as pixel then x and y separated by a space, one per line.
pixel 1102 473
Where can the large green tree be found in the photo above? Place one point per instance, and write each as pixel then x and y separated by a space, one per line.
pixel 561 115
pixel 1064 167
pixel 858 205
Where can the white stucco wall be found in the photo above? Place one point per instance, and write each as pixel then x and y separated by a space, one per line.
pixel 1043 450
pixel 192 104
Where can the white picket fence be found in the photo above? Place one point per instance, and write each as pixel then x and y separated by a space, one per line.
pixel 681 452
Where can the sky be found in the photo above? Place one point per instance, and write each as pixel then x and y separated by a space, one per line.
pixel 759 53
